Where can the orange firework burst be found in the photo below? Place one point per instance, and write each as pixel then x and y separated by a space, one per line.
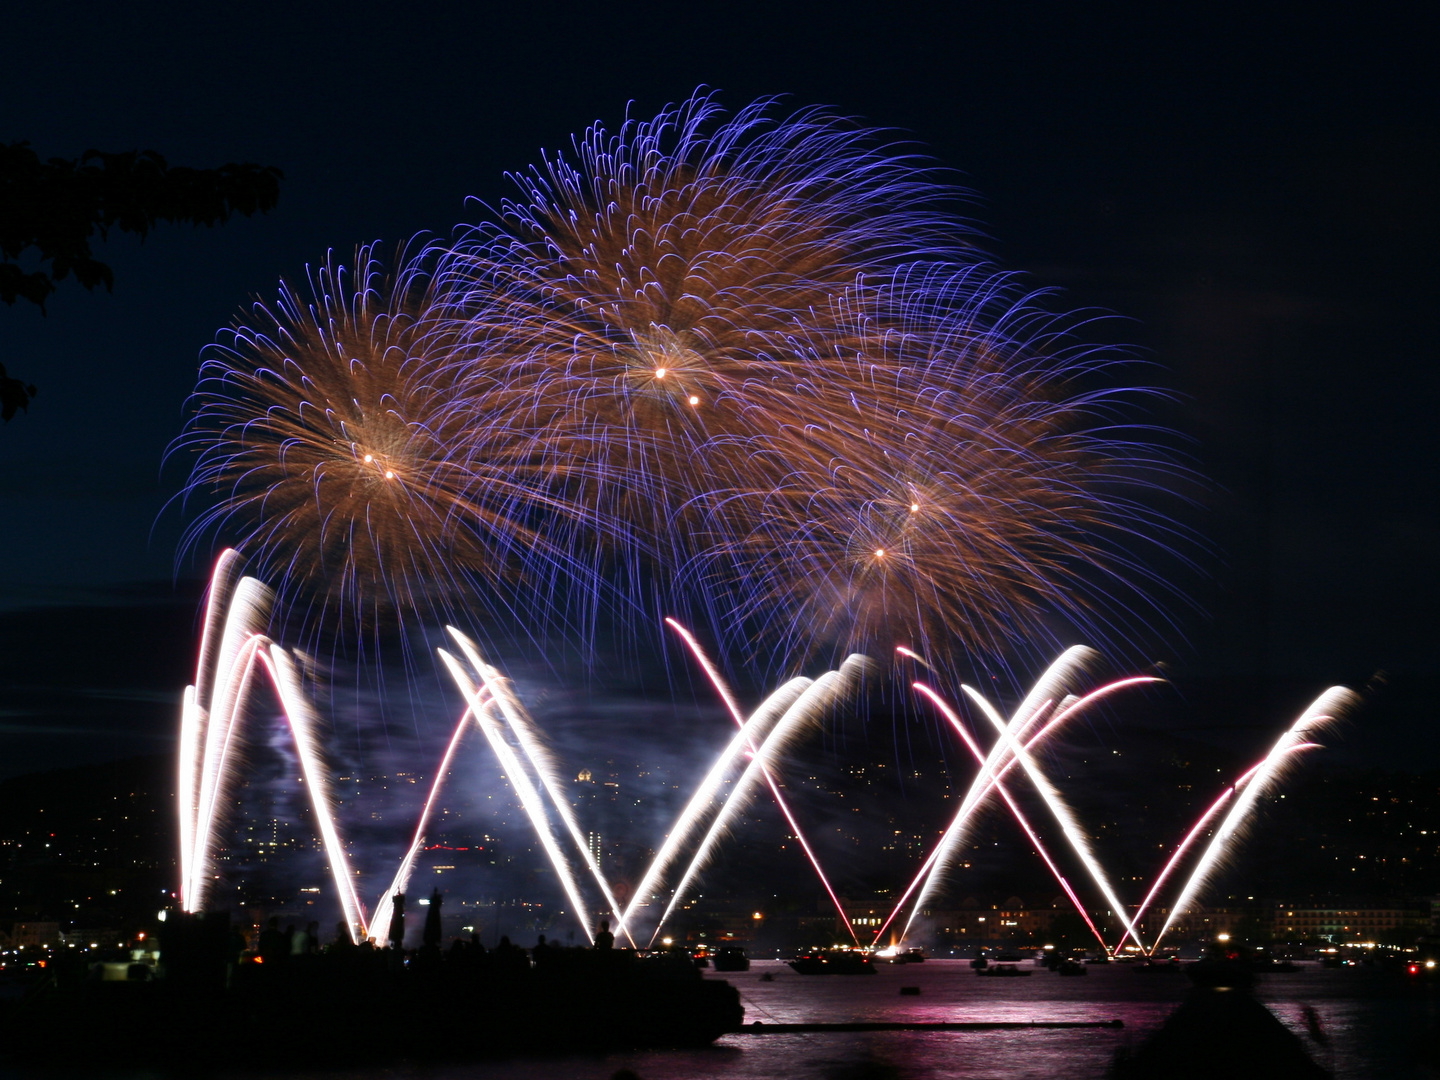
pixel 653 293
pixel 330 430
pixel 940 484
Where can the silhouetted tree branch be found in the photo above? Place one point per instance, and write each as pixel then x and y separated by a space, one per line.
pixel 51 210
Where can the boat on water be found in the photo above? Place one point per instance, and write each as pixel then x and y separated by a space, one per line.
pixel 730 958
pixel 893 955
pixel 834 962
pixel 1004 971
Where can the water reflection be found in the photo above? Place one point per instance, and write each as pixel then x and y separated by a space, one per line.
pixel 1374 1023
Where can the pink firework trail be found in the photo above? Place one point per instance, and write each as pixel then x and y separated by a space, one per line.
pixel 386 906
pixel 234 652
pixel 1332 703
pixel 922 875
pixel 1059 809
pixel 978 792
pixel 1173 862
pixel 723 689
pixel 756 730
pixel 1002 757
pixel 1019 815
pixel 1050 687
pixel 1190 838
pixel 801 716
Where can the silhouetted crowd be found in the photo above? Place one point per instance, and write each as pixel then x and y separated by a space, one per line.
pixel 295 955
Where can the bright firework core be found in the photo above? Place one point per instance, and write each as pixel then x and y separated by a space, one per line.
pixel 235 656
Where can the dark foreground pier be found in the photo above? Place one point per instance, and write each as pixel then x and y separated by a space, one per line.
pixel 759 1027
pixel 355 1004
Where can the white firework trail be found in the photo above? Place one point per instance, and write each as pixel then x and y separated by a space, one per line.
pixel 754 731
pixel 502 693
pixel 1050 686
pixel 522 784
pixel 800 717
pixel 212 712
pixel 1328 707
pixel 1059 808
pixel 723 689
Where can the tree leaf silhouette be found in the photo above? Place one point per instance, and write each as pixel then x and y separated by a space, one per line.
pixel 50 211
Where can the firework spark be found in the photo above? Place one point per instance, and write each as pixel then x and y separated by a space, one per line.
pixel 235 654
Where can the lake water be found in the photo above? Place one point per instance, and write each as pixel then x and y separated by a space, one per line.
pixel 1379 1026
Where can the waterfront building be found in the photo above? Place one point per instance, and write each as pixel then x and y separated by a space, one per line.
pixel 1344 925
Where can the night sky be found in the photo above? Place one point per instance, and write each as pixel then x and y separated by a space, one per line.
pixel 1252 193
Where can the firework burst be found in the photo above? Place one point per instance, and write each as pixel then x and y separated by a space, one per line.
pixel 746 368
pixel 326 424
pixel 938 478
pixel 652 295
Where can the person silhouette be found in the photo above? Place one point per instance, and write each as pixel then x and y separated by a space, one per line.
pixel 342 940
pixel 274 942
pixel 604 939
pixel 397 921
pixel 432 922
